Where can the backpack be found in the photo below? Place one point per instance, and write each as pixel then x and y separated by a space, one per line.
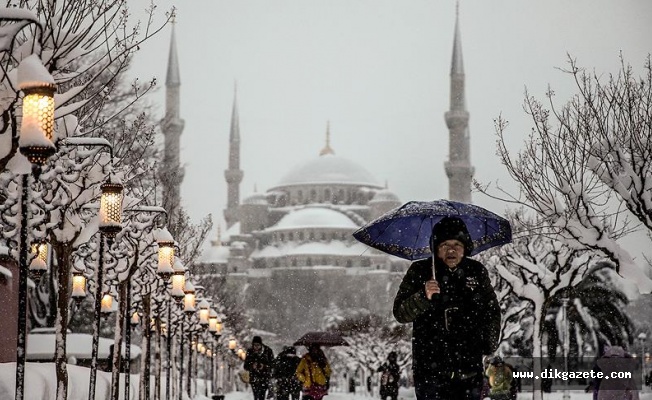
pixel 386 378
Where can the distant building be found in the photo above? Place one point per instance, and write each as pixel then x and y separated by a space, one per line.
pixel 289 248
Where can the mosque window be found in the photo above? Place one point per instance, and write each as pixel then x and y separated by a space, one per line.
pixel 294 262
pixel 349 264
pixel 277 263
pixel 282 237
pixel 313 195
pixel 291 236
pixel 327 196
pixel 309 262
pixel 300 195
pixel 340 196
pixel 323 236
pixel 311 236
pixel 301 236
pixel 324 260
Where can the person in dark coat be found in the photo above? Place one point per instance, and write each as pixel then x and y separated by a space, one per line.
pixel 390 373
pixel 285 366
pixel 258 362
pixel 455 317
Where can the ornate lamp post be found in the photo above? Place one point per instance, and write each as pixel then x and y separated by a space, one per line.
pixel 642 337
pixel 165 253
pixel 78 286
pixel 564 303
pixel 35 143
pixel 39 264
pixel 110 224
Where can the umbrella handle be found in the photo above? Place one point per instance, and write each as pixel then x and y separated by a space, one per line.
pixel 433 268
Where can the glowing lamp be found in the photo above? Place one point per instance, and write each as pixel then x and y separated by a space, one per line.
pixel 135 319
pixel 165 259
pixel 111 208
pixel 107 304
pixel 78 286
pixel 37 126
pixel 178 281
pixel 241 353
pixel 232 344
pixel 212 321
pixel 189 298
pixel 39 264
pixel 204 313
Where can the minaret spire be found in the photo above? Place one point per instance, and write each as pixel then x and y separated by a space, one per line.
pixel 233 174
pixel 172 125
pixel 458 167
pixel 327 148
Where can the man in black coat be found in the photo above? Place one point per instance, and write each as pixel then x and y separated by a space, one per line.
pixel 456 317
pixel 285 368
pixel 258 362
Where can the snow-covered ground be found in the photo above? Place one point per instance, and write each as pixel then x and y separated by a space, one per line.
pixel 40 384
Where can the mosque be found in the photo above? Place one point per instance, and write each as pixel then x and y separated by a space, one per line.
pixel 289 249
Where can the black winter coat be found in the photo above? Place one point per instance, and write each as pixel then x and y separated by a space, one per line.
pixel 452 331
pixel 389 388
pixel 259 365
pixel 285 368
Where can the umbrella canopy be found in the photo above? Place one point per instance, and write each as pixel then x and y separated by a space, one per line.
pixel 405 231
pixel 321 338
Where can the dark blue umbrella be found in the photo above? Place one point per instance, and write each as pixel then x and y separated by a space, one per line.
pixel 405 231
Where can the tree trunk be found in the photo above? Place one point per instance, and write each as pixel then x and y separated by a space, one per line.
pixel 99 277
pixel 539 315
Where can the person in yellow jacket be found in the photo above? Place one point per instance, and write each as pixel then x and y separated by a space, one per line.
pixel 314 372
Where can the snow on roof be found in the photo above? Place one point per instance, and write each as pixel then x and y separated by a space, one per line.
pixel 328 169
pixel 385 195
pixel 40 346
pixel 314 217
pixel 256 199
pixel 335 248
pixel 234 230
pixel 215 255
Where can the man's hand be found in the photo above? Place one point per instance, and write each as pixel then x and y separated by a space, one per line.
pixel 432 287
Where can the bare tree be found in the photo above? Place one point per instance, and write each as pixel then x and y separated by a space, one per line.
pixel 586 166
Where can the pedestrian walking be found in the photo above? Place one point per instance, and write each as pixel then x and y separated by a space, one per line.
pixel 258 362
pixel 285 368
pixel 616 361
pixel 390 374
pixel 455 316
pixel 500 379
pixel 314 373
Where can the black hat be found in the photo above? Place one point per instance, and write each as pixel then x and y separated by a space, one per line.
pixel 257 339
pixel 450 228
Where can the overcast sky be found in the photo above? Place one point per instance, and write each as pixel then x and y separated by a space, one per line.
pixel 378 70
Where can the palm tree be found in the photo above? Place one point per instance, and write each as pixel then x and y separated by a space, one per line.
pixel 596 315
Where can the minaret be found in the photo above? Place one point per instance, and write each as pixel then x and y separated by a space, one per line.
pixel 458 167
pixel 233 174
pixel 327 149
pixel 172 125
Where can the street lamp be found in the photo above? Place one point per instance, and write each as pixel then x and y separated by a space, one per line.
pixel 165 253
pixel 78 286
pixel 564 303
pixel 178 281
pixel 642 337
pixel 39 264
pixel 109 226
pixel 204 313
pixel 35 143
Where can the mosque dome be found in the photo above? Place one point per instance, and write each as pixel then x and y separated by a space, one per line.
pixel 328 169
pixel 385 196
pixel 314 217
pixel 215 255
pixel 257 199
